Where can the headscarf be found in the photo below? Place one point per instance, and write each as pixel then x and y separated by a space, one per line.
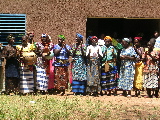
pixel 43 35
pixel 138 38
pixel 61 36
pixel 94 37
pixel 126 39
pixel 108 37
pixel 79 35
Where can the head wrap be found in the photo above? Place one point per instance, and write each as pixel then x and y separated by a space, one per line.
pixel 138 38
pixel 79 35
pixel 108 37
pixel 126 39
pixel 61 36
pixel 94 37
pixel 44 35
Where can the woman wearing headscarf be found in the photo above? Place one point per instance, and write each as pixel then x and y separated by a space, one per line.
pixel 79 72
pixel 109 69
pixel 12 66
pixel 94 54
pixel 138 77
pixel 26 53
pixel 62 53
pixel 127 69
pixel 43 49
pixel 150 71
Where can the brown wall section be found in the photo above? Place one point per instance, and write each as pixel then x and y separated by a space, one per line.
pixel 69 16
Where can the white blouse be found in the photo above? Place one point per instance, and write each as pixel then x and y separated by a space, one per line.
pixel 94 51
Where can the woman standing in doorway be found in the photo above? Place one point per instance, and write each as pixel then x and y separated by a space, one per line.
pixel 126 77
pixel 138 77
pixel 94 54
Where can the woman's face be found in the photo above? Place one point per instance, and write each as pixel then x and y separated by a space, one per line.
pixel 107 42
pixel 11 41
pixel 60 40
pixel 150 46
pixel 136 42
pixel 94 42
pixel 125 44
pixel 78 40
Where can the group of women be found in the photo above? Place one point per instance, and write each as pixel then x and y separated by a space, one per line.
pixel 96 68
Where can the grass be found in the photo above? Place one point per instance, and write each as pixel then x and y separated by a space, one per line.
pixel 45 107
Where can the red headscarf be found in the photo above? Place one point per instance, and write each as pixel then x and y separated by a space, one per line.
pixel 138 38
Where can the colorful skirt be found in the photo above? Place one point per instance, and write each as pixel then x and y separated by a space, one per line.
pixel 150 80
pixel 26 81
pixel 61 77
pixel 93 76
pixel 109 79
pixel 79 75
pixel 42 79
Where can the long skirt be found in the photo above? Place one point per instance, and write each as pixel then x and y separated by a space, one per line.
pixel 11 74
pixel 138 77
pixel 126 77
pixel 42 79
pixel 150 80
pixel 109 79
pixel 61 77
pixel 26 80
pixel 93 76
pixel 79 73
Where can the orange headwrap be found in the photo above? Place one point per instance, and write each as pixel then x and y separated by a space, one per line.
pixel 108 37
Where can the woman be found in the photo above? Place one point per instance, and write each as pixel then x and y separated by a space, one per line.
pixel 26 67
pixel 94 54
pixel 150 71
pixel 79 66
pixel 11 67
pixel 109 69
pixel 62 53
pixel 43 49
pixel 126 77
pixel 138 77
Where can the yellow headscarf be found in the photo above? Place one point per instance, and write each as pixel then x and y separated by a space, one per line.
pixel 108 37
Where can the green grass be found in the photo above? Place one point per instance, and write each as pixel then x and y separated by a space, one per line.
pixel 70 107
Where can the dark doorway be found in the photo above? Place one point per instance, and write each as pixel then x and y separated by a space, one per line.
pixel 122 27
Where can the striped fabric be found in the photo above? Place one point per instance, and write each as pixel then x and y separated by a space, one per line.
pixel 26 82
pixel 42 79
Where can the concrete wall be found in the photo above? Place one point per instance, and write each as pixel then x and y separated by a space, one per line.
pixel 69 16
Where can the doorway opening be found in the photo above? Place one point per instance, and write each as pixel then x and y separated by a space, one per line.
pixel 119 28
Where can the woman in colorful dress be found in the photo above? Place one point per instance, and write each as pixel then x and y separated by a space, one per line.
pixel 11 67
pixel 109 69
pixel 127 69
pixel 79 72
pixel 94 54
pixel 138 77
pixel 26 52
pixel 62 53
pixel 43 49
pixel 150 70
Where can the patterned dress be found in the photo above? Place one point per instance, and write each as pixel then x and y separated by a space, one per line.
pixel 61 68
pixel 11 68
pixel 26 72
pixel 108 79
pixel 79 71
pixel 150 71
pixel 43 68
pixel 93 69
pixel 127 70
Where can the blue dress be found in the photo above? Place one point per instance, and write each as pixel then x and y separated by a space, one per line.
pixel 127 70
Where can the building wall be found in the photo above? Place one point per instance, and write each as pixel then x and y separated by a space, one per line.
pixel 69 16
